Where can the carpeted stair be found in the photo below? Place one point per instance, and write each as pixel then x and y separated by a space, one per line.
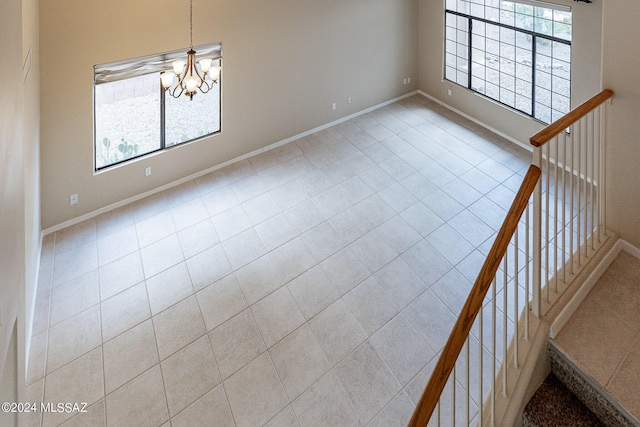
pixel 568 398
pixel 554 405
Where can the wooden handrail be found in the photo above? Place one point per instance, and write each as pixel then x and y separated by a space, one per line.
pixel 461 330
pixel 570 118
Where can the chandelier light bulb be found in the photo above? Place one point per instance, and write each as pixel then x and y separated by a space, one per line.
pixel 167 79
pixel 205 64
pixel 178 66
pixel 214 72
pixel 191 83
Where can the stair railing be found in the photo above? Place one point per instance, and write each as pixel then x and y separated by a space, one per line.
pixel 571 154
pixel 555 225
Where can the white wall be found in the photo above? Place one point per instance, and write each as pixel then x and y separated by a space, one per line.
pixel 12 236
pixel 621 72
pixel 31 158
pixel 19 187
pixel 13 248
pixel 585 68
pixel 9 381
pixel 285 62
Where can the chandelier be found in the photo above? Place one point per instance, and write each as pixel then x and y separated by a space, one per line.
pixel 191 78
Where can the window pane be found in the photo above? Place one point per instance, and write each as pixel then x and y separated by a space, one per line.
pixel 190 119
pixel 508 53
pixel 543 96
pixel 523 103
pixel 543 26
pixel 493 47
pixel 523 71
pixel 560 103
pixel 543 113
pixel 477 84
pixel 492 13
pixel 457 49
pixel 127 115
pixel 561 86
pixel 463 6
pixel 507 97
pixel 450 74
pixel 493 91
pixel 524 9
pixel 450 20
pixel 556 115
pixel 477 10
pixel 524 21
pixel 451 60
pixel 462 78
pixel 562 51
pixel 562 24
pixel 503 65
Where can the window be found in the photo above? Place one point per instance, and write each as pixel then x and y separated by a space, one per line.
pixel 133 116
pixel 517 53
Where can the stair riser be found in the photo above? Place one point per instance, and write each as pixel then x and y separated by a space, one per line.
pixel 595 400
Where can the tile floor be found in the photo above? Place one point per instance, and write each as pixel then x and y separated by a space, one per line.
pixel 311 285
pixel 603 336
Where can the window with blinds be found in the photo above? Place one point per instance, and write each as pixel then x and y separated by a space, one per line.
pixel 132 115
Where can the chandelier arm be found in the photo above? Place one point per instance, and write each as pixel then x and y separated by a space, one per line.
pixel 173 92
pixel 201 77
pixel 183 75
pixel 207 87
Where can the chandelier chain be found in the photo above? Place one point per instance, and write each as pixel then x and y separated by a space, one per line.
pixel 191 21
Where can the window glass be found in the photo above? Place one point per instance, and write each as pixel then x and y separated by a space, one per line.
pixel 134 115
pixel 127 115
pixel 186 119
pixel 520 54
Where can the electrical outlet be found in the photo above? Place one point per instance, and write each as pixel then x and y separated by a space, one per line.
pixel 349 100
pixel 404 81
pixel 147 171
pixel 333 106
pixel 449 92
pixel 408 80
pixel 73 199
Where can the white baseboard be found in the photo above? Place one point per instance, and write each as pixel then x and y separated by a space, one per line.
pixel 141 196
pixel 526 146
pixel 630 249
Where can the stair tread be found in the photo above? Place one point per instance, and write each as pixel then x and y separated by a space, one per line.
pixel 554 405
pixel 588 391
pixel 596 353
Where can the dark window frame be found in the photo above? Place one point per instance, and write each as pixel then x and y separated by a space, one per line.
pixel 534 38
pixel 146 66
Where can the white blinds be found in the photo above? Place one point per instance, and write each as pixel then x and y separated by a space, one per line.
pixel 120 70
pixel 545 4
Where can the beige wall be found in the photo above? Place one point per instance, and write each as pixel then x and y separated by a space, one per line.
pixel 9 381
pixel 19 186
pixel 585 69
pixel 12 247
pixel 31 156
pixel 19 192
pixel 285 62
pixel 621 72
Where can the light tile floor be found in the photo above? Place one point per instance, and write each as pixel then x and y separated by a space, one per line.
pixel 311 285
pixel 603 336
